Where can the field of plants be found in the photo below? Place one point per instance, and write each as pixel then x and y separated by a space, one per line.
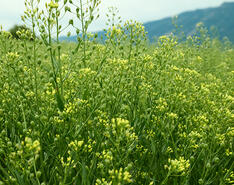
pixel 113 112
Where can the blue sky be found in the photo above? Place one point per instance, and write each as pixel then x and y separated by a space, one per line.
pixel 140 10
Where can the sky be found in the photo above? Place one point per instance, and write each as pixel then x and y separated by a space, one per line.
pixel 139 10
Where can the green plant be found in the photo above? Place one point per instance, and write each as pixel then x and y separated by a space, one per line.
pixel 132 113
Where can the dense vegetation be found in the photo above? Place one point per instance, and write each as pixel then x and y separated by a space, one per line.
pixel 122 112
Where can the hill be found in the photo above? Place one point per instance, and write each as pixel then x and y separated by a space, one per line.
pixel 221 18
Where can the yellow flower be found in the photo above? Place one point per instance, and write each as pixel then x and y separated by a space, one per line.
pixel 80 143
pixel 178 167
pixel 53 5
pixel 199 58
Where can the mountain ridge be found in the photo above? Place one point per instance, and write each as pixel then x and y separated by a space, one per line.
pixel 219 17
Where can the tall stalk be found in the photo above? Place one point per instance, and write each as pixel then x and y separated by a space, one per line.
pixel 47 25
pixel 85 13
pixel 58 87
pixel 84 32
pixel 29 18
pixel 59 55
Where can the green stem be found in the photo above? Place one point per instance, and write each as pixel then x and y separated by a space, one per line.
pixel 34 57
pixel 59 59
pixel 56 85
pixel 83 32
pixel 166 178
pixel 131 42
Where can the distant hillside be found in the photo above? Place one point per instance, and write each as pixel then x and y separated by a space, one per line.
pixel 222 18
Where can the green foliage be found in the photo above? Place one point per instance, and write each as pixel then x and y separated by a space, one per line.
pixel 122 112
